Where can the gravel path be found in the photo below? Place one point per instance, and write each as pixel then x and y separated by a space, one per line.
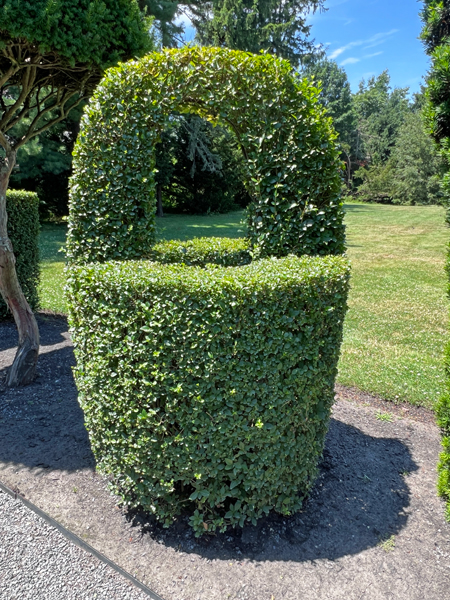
pixel 36 561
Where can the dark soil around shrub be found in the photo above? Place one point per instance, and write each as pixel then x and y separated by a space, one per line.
pixel 372 528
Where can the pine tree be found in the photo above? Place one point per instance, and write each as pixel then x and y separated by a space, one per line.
pixel 253 25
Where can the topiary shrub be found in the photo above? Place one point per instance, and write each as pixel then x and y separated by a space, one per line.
pixel 443 421
pixel 23 229
pixel 208 389
pixel 199 252
pixel 292 168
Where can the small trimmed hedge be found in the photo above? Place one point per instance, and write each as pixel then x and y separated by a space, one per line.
pixel 443 420
pixel 198 252
pixel 208 389
pixel 23 229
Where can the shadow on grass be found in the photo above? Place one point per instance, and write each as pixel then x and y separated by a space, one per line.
pixel 357 208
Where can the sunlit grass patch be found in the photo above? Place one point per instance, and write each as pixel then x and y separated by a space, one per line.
pixel 396 326
pixel 385 417
pixel 387 543
pixel 51 290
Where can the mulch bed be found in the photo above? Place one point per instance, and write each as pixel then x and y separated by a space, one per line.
pixel 372 528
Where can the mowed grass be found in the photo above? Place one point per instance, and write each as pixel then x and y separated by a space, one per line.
pixel 397 321
pixel 51 290
pixel 180 227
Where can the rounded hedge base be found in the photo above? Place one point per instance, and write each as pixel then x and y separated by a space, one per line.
pixel 209 389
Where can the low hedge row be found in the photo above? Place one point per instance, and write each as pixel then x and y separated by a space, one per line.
pixel 443 420
pixel 23 229
pixel 198 252
pixel 208 389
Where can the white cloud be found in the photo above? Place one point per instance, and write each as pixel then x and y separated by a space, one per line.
pixel 342 49
pixel 350 61
pixel 372 55
pixel 375 40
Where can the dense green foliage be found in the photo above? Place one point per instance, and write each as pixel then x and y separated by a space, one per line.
pixel 256 25
pixel 435 36
pixel 292 163
pixel 200 167
pixel 413 171
pixel 380 112
pixel 336 97
pixel 52 55
pixel 199 252
pixel 382 137
pixel 416 163
pixel 443 420
pixel 209 389
pixel 23 228
pixel 436 29
pixel 79 31
pixel 164 13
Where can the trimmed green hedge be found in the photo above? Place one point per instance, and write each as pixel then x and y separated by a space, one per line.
pixel 23 229
pixel 292 164
pixel 226 252
pixel 443 420
pixel 209 389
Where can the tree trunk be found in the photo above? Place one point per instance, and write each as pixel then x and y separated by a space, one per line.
pixel 23 370
pixel 159 210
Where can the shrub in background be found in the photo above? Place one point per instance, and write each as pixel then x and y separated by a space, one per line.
pixel 209 389
pixel 23 229
pixel 202 251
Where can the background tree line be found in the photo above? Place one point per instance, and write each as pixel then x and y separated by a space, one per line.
pixel 386 151
pixel 388 154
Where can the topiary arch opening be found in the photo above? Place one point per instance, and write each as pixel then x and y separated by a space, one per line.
pixel 292 161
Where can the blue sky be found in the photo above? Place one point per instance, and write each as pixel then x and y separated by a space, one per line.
pixel 367 36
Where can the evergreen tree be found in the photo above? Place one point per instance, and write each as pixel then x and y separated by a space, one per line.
pixel 52 55
pixel 417 167
pixel 164 13
pixel 206 168
pixel 253 25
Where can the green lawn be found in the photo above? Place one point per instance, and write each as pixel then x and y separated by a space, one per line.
pixel 397 322
pixel 51 241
